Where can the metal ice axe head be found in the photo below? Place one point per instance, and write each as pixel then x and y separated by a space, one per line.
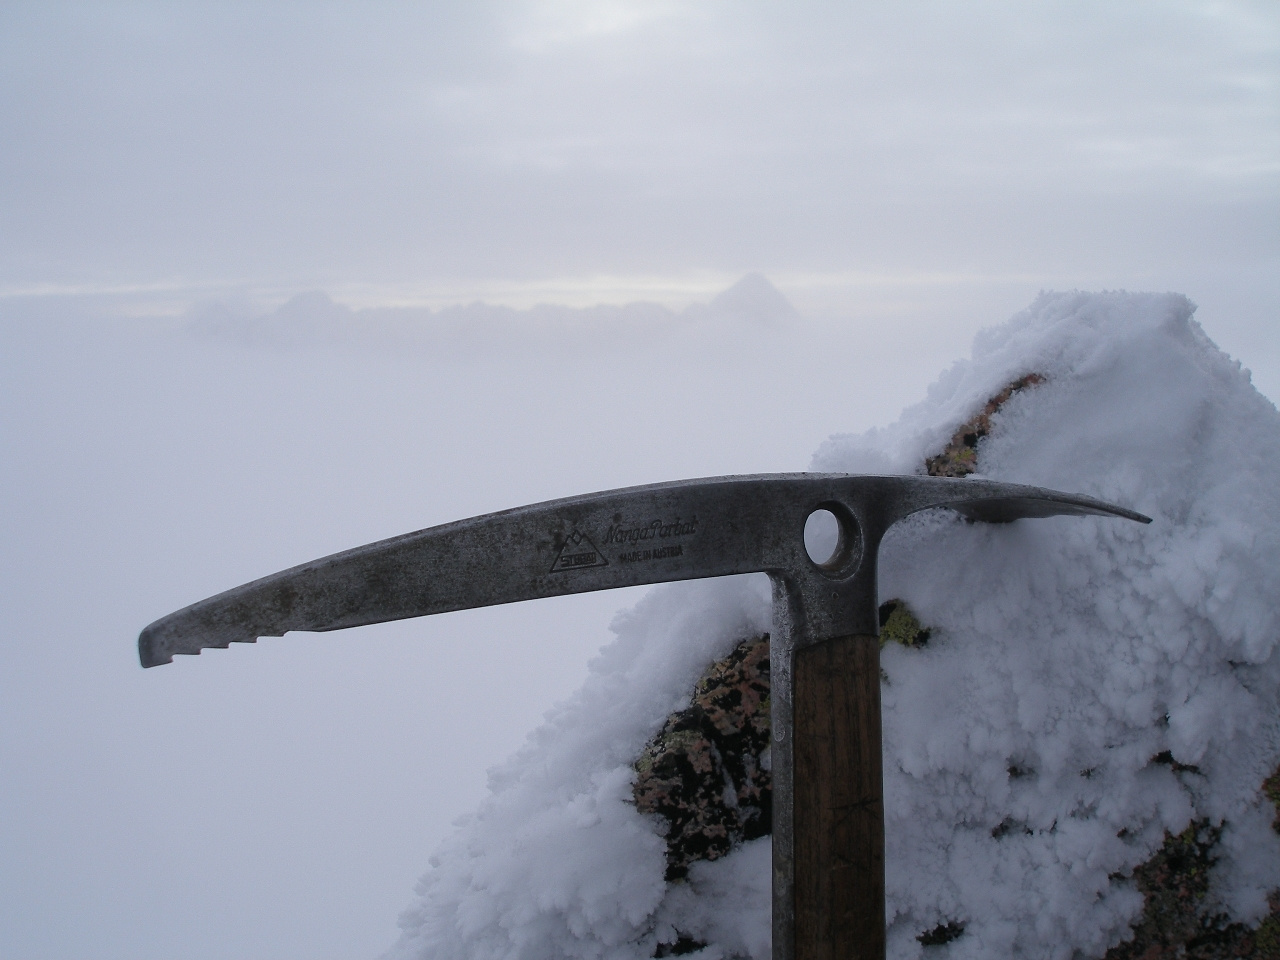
pixel 828 826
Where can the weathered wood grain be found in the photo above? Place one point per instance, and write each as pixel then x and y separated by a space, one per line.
pixel 839 810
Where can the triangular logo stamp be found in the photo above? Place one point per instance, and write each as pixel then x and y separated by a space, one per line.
pixel 576 553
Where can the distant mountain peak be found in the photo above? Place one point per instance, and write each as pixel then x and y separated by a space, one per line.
pixel 754 298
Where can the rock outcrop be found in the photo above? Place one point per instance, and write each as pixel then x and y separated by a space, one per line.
pixel 706 775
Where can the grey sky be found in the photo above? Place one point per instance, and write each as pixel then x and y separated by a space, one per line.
pixel 419 145
pixel 905 173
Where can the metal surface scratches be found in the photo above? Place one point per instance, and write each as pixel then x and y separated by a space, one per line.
pixel 825 620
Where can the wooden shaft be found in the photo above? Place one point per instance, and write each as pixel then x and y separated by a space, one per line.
pixel 839 801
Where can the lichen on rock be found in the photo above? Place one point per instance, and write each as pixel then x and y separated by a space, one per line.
pixel 1177 915
pixel 706 773
pixel 960 458
pixel 899 625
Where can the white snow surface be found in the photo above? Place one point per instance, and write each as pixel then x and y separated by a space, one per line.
pixel 1066 654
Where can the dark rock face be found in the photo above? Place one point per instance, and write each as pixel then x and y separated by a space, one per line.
pixel 942 933
pixel 707 772
pixel 1175 921
pixel 682 946
pixel 1271 789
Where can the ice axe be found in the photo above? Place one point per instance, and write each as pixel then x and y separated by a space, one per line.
pixel 828 808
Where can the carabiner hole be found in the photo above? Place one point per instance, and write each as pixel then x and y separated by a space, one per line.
pixel 822 537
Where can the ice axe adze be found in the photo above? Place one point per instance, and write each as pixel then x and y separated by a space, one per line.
pixel 828 813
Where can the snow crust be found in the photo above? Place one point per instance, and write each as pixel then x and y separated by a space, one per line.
pixel 1021 779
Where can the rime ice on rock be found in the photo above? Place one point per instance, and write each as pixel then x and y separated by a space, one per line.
pixel 1026 779
pixel 960 458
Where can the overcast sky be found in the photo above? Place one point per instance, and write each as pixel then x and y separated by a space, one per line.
pixel 905 173
pixel 425 149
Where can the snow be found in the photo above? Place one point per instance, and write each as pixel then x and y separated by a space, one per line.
pixel 1020 781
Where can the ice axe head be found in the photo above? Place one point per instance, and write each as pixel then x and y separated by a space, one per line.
pixel 828 818
pixel 650 534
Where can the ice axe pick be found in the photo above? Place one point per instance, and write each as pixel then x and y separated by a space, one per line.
pixel 828 808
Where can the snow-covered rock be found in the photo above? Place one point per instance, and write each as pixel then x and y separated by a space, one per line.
pixel 1023 773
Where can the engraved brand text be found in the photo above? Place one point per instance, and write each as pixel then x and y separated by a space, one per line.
pixel 624 533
